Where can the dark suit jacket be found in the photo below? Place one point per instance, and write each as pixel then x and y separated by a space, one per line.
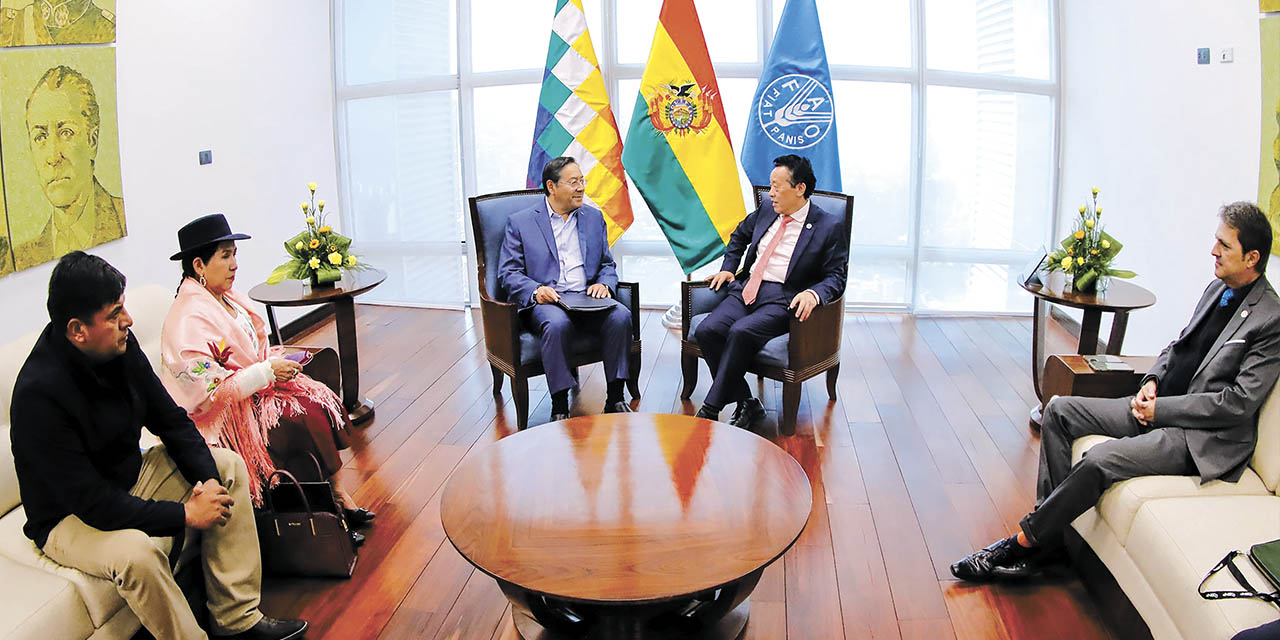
pixel 529 258
pixel 1220 410
pixel 820 260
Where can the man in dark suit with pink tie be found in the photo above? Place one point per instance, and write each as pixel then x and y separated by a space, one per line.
pixel 794 258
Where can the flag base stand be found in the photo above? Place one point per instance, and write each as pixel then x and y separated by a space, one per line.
pixel 671 319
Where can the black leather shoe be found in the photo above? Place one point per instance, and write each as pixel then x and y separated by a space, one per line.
pixel 704 412
pixel 358 517
pixel 616 407
pixel 272 629
pixel 556 417
pixel 748 414
pixel 1001 560
pixel 357 539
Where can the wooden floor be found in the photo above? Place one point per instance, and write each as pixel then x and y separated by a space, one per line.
pixel 923 457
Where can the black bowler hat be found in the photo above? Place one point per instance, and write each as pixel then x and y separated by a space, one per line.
pixel 202 232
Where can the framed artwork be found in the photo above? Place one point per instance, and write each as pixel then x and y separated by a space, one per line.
pixel 1269 5
pixel 60 148
pixel 1269 180
pixel 44 22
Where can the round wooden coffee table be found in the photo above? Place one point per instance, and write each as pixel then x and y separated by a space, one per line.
pixel 627 525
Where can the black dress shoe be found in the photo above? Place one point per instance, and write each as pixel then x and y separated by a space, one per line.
pixel 358 517
pixel 704 412
pixel 616 407
pixel 748 414
pixel 272 629
pixel 1001 560
pixel 357 539
pixel 556 417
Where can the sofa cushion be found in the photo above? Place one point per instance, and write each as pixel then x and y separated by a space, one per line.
pixel 13 354
pixel 36 605
pixel 774 353
pixel 1176 541
pixel 1266 454
pixel 9 496
pixel 148 305
pixel 99 594
pixel 1119 504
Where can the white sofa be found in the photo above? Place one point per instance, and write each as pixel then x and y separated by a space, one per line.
pixel 40 599
pixel 1160 535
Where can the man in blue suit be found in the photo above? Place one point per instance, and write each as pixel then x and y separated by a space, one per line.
pixel 797 260
pixel 559 246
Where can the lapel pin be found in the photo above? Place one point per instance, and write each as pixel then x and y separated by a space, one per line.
pixel 1244 313
pixel 809 226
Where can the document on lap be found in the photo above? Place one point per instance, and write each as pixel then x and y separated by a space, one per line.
pixel 575 301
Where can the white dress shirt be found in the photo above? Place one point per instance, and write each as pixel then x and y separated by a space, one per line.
pixel 776 269
pixel 573 275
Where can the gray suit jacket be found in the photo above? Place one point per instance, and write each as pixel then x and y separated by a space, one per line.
pixel 1220 410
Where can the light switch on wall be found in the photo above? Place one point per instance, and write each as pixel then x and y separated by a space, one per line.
pixel 1226 55
pixel 1202 55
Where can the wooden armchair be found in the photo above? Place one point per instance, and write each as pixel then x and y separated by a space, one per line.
pixel 806 350
pixel 512 350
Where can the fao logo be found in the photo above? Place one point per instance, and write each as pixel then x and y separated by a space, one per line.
pixel 795 111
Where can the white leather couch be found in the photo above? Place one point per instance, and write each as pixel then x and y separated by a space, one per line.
pixel 40 599
pixel 1160 535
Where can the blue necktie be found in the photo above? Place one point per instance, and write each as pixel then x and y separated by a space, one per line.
pixel 1226 297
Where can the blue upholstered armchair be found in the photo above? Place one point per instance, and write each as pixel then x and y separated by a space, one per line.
pixel 806 350
pixel 512 349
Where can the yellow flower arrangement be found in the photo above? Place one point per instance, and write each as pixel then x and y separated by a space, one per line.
pixel 1090 266
pixel 318 253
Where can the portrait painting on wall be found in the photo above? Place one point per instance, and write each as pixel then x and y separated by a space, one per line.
pixel 41 22
pixel 61 151
pixel 1269 181
pixel 6 254
pixel 1269 5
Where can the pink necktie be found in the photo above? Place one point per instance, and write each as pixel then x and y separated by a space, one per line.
pixel 757 274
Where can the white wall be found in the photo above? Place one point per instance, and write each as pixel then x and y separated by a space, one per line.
pixel 1168 141
pixel 249 80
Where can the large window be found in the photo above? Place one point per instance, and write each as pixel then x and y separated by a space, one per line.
pixel 948 116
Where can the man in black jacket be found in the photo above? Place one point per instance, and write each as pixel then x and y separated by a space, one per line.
pixel 94 501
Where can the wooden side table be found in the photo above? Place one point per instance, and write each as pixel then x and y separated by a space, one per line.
pixel 1067 375
pixel 295 293
pixel 1120 298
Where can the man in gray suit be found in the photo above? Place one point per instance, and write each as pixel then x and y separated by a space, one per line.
pixel 1196 413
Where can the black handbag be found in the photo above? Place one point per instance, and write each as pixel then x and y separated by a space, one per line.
pixel 1265 557
pixel 302 530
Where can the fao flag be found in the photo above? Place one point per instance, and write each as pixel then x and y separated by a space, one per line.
pixel 792 111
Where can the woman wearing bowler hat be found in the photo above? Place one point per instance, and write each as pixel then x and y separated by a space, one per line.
pixel 241 392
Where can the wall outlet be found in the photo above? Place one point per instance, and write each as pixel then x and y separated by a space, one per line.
pixel 1202 55
pixel 1226 55
pixel 206 157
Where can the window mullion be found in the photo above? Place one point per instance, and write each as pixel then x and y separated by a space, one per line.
pixel 467 144
pixel 918 93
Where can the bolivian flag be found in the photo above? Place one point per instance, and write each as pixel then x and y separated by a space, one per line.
pixel 678 150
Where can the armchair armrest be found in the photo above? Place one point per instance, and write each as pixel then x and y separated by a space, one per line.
pixel 501 329
pixel 629 297
pixel 697 298
pixel 817 338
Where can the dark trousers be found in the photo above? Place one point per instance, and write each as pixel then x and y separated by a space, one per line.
pixel 734 333
pixel 557 327
pixel 1063 492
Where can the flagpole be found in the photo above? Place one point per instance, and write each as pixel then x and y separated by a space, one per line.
pixel 673 318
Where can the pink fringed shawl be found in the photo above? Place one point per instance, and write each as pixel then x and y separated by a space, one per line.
pixel 202 351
